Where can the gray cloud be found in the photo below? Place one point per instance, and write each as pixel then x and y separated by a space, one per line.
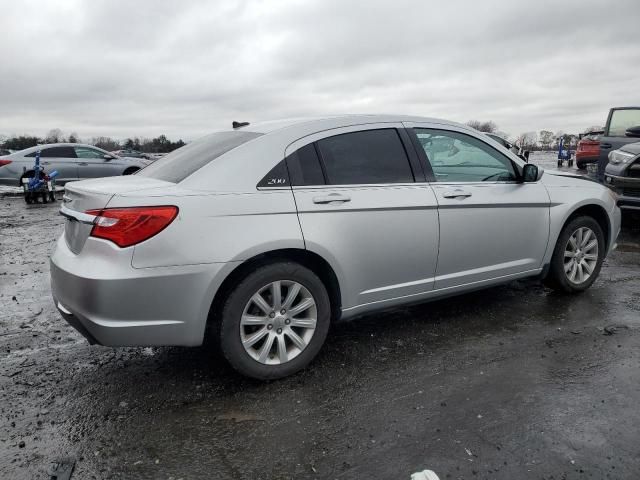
pixel 185 68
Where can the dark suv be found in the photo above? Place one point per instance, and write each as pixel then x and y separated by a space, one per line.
pixel 622 128
pixel 622 175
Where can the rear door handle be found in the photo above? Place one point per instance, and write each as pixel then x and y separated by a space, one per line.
pixel 83 164
pixel 458 193
pixel 605 145
pixel 332 197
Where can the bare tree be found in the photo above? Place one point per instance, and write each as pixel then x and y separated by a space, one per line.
pixel 502 134
pixel 73 138
pixel 527 140
pixel 106 143
pixel 546 139
pixel 54 136
pixel 487 127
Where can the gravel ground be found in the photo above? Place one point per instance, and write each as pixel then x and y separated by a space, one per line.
pixel 515 382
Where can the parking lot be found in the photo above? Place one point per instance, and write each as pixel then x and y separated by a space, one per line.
pixel 513 382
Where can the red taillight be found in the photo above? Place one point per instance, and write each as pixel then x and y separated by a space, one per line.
pixel 131 225
pixel 4 162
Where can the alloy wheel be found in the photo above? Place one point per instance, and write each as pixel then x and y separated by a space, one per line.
pixel 581 255
pixel 278 322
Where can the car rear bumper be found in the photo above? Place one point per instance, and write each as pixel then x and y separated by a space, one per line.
pixel 125 306
pixel 585 159
pixel 627 190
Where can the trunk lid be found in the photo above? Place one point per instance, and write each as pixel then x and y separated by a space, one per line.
pixel 93 194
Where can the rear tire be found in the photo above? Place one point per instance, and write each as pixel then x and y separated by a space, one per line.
pixel 288 341
pixel 576 259
pixel 581 166
pixel 130 171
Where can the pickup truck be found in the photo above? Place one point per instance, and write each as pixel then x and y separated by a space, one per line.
pixel 618 131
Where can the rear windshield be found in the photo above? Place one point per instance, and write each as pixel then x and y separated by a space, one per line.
pixel 179 164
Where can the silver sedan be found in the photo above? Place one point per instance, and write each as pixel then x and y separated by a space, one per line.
pixel 73 161
pixel 262 235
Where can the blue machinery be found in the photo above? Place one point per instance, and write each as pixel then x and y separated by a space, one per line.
pixel 41 185
pixel 564 154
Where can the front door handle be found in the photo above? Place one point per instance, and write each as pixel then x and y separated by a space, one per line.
pixel 457 193
pixel 605 145
pixel 331 198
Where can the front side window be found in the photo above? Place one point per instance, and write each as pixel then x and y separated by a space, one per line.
pixel 84 152
pixel 365 157
pixel 457 157
pixel 623 119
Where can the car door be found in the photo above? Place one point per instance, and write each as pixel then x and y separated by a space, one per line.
pixel 614 136
pixel 93 164
pixel 491 225
pixel 61 159
pixel 363 203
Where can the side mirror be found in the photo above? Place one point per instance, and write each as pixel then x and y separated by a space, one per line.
pixel 633 132
pixel 531 173
pixel 108 157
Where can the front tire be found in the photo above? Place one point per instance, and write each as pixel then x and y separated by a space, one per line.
pixel 275 321
pixel 130 171
pixel 577 257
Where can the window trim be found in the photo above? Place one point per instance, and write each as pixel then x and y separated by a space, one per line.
pixel 325 176
pixel 425 159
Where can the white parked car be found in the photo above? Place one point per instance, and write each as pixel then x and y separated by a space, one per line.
pixel 73 161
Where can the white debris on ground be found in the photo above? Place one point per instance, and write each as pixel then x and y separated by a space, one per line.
pixel 425 475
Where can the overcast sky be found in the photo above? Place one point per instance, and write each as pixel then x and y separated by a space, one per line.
pixel 184 68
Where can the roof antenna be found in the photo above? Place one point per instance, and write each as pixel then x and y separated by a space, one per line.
pixel 235 124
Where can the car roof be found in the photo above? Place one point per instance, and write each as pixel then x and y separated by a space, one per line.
pixel 335 121
pixel 241 168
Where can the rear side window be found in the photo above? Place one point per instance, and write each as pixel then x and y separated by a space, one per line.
pixel 365 157
pixel 55 152
pixel 304 167
pixel 179 164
